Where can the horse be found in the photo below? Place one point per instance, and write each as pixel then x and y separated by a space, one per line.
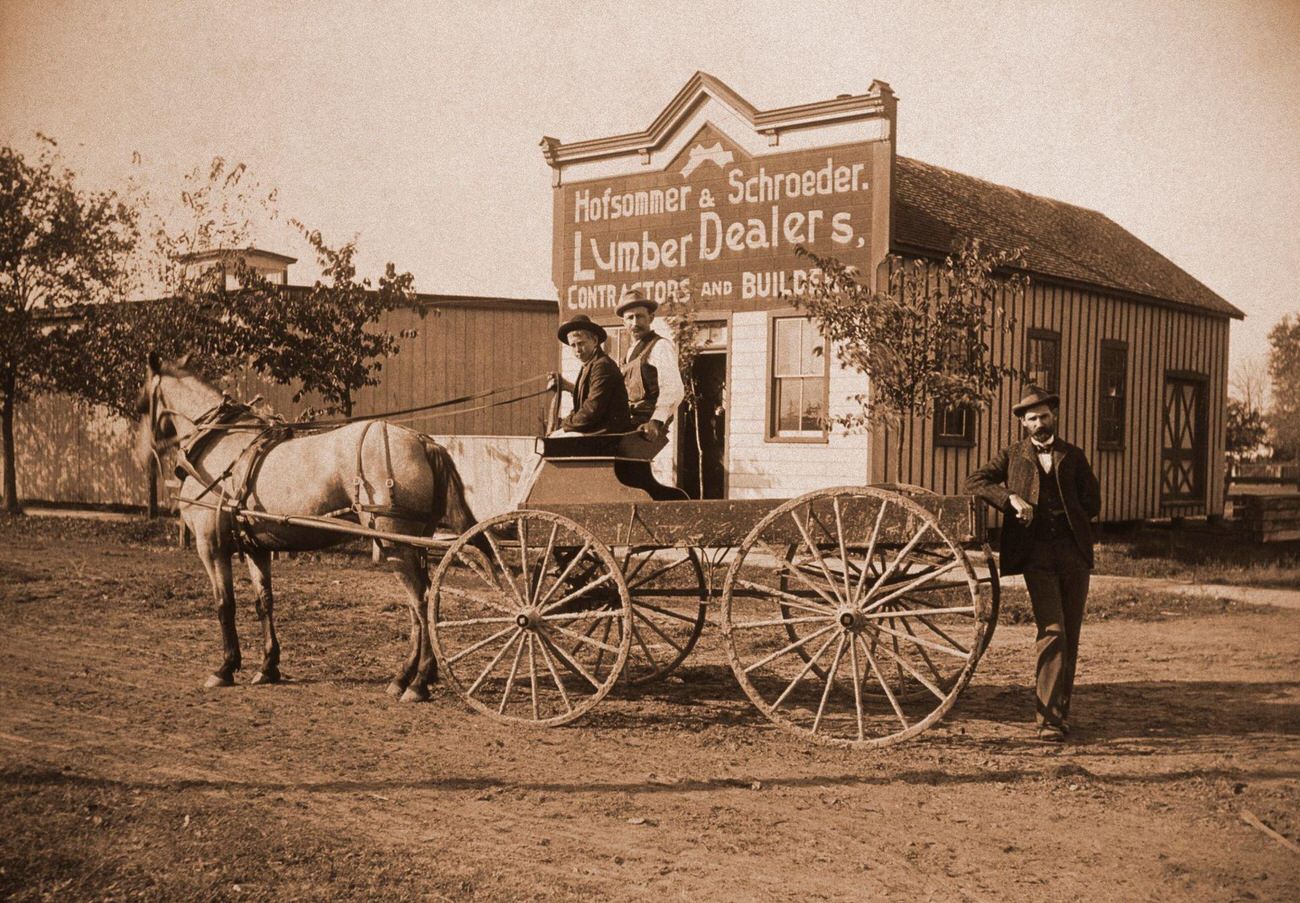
pixel 387 477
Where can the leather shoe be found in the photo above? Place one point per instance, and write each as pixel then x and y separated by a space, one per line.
pixel 1051 733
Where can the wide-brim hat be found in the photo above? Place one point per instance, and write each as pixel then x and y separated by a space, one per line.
pixel 633 298
pixel 1033 397
pixel 583 322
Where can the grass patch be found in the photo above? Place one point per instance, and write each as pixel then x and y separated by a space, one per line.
pixel 1125 604
pixel 1200 554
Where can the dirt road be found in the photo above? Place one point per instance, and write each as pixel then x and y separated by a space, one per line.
pixel 124 779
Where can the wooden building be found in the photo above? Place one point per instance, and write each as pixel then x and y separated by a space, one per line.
pixel 75 454
pixel 714 195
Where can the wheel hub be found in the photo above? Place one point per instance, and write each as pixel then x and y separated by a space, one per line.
pixel 851 619
pixel 529 619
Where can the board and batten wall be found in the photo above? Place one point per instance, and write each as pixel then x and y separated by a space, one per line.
pixel 69 452
pixel 1160 339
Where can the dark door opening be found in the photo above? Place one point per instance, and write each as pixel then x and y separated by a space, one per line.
pixel 710 372
pixel 1185 449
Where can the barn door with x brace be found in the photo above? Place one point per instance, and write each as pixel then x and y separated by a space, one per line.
pixel 1184 447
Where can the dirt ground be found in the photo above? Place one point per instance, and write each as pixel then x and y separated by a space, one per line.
pixel 124 779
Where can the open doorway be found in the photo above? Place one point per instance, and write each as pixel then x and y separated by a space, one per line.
pixel 710 370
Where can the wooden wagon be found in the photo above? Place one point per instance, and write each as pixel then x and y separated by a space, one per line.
pixel 852 616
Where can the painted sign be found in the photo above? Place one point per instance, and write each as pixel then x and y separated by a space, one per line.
pixel 717 222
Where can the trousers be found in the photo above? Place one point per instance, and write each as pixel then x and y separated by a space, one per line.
pixel 1057 577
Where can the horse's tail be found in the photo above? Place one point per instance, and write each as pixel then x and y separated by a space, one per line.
pixel 450 507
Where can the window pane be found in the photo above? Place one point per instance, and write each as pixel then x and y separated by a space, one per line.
pixel 811 360
pixel 787 347
pixel 787 405
pixel 814 407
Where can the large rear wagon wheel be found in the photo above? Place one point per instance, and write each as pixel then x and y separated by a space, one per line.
pixel 852 617
pixel 516 635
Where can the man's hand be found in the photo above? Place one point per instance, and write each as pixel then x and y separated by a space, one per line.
pixel 652 430
pixel 1024 510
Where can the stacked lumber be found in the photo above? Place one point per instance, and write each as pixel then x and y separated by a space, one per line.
pixel 1268 518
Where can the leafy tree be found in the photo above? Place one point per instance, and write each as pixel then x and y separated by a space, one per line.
pixel 319 337
pixel 59 246
pixel 1246 430
pixel 1284 368
pixel 923 339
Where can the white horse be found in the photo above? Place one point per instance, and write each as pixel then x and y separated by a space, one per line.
pixel 387 477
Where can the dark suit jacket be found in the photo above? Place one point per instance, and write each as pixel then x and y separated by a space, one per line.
pixel 1015 471
pixel 599 399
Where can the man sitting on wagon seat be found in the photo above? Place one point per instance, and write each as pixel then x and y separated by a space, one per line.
pixel 599 395
pixel 650 369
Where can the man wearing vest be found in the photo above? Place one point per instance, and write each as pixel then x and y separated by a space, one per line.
pixel 650 369
pixel 1048 494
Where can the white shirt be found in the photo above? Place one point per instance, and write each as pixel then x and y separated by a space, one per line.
pixel 1044 455
pixel 663 357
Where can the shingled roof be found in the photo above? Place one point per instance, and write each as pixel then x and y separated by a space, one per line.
pixel 933 207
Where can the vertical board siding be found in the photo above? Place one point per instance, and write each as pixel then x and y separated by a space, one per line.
pixel 70 452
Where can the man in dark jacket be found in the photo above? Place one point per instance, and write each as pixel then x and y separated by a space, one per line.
pixel 1047 493
pixel 599 394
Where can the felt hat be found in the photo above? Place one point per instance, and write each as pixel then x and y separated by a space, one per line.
pixel 1033 397
pixel 583 322
pixel 633 298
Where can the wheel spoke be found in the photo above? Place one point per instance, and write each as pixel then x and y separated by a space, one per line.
pixel 793 646
pixel 893 565
pixel 884 685
pixel 640 641
pixel 522 526
pixel 901 613
pixel 569 661
pixel 792 600
pixel 655 574
pixel 655 627
pixel 480 644
pixel 541 562
pixel 582 591
pixel 857 674
pixel 830 682
pixel 573 634
pixel 559 684
pixel 817 555
pixel 785 567
pixel 510 577
pixel 532 675
pixel 808 666
pixel 912 671
pixel 563 574
pixel 778 622
pixel 666 612
pixel 468 621
pixel 462 594
pixel 925 656
pixel 604 638
pixel 924 619
pixel 919 581
pixel 927 643
pixel 866 559
pixel 844 555
pixel 595 616
pixel 491 666
pixel 514 669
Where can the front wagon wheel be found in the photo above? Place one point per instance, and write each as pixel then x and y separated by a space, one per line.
pixel 853 616
pixel 530 618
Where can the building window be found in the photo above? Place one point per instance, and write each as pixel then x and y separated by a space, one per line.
pixel 799 379
pixel 954 425
pixel 1111 379
pixel 1043 366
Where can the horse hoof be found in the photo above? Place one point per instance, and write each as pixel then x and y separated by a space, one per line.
pixel 415 693
pixel 261 678
pixel 395 689
pixel 216 680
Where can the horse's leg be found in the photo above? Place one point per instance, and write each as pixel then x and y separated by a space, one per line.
pixel 420 669
pixel 216 561
pixel 259 569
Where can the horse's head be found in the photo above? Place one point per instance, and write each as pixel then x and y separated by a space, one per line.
pixel 170 393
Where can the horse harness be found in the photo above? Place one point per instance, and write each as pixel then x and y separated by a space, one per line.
pixel 230 416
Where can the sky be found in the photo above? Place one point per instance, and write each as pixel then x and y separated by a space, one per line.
pixel 414 127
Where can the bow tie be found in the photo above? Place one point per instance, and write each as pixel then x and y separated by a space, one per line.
pixel 1043 449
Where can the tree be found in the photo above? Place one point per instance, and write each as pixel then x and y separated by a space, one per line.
pixel 924 339
pixel 1249 382
pixel 1284 369
pixel 1246 430
pixel 60 246
pixel 319 338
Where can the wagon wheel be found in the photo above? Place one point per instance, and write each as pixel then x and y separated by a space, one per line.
pixel 808 654
pixel 669 603
pixel 514 635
